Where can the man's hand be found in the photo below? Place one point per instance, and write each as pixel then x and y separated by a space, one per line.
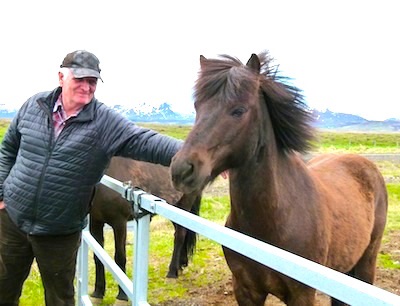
pixel 2 205
pixel 225 174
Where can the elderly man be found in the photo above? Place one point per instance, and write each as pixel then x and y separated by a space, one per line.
pixel 52 156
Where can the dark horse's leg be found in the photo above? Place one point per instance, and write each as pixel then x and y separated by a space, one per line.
pixel 96 229
pixel 184 239
pixel 120 252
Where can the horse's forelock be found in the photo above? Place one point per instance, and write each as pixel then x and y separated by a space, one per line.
pixel 224 77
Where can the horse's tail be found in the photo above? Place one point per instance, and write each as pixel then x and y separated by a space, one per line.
pixel 191 237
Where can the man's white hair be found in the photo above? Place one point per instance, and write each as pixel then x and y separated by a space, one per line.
pixel 66 72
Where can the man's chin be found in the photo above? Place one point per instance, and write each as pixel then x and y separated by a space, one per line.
pixel 84 99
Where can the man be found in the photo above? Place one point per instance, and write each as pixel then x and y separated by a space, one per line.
pixel 53 154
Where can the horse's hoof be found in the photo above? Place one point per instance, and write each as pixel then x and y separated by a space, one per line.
pixel 172 275
pixel 121 303
pixel 97 295
pixel 122 296
pixel 95 300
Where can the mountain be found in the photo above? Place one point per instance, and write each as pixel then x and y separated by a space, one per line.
pixel 161 114
pixel 6 113
pixel 329 120
pixel 326 120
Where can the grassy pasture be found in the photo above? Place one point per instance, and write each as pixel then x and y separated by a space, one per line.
pixel 326 141
pixel 208 266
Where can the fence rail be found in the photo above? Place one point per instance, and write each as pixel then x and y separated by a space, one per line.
pixel 333 283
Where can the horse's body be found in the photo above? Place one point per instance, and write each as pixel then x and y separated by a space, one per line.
pixel 109 207
pixel 331 210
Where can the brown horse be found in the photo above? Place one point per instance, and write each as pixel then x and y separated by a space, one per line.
pixel 331 211
pixel 109 207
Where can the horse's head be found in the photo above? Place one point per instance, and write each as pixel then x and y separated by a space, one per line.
pixel 233 123
pixel 226 103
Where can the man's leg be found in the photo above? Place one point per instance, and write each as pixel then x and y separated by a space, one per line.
pixel 16 258
pixel 56 258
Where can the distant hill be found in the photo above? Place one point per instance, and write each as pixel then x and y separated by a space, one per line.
pixel 325 120
pixel 346 122
pixel 4 113
pixel 162 114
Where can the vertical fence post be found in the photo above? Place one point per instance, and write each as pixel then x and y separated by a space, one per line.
pixel 141 262
pixel 141 252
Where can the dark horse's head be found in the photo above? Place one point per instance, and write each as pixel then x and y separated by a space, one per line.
pixel 243 112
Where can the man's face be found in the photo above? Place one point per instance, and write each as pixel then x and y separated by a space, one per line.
pixel 77 92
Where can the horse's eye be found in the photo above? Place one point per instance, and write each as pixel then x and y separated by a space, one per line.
pixel 238 112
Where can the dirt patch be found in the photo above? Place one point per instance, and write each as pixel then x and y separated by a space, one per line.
pixel 221 294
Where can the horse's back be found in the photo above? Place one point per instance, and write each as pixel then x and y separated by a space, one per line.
pixel 349 175
pixel 344 169
pixel 152 178
pixel 109 207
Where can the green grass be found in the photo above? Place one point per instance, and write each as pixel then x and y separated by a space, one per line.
pixel 393 221
pixel 386 260
pixel 357 142
pixel 4 123
pixel 177 131
pixel 325 141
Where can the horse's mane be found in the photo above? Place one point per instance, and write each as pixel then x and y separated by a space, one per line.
pixel 290 117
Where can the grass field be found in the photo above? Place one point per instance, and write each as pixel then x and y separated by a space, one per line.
pixel 208 266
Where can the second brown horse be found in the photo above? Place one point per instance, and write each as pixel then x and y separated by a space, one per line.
pixel 109 207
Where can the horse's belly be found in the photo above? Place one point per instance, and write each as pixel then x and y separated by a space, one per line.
pixel 348 243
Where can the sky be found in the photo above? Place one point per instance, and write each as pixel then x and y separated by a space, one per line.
pixel 343 55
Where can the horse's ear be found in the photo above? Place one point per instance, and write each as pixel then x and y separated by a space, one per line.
pixel 202 61
pixel 254 63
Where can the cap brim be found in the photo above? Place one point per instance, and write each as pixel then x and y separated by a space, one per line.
pixel 85 73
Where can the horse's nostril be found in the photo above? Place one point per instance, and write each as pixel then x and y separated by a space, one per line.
pixel 184 171
pixel 182 174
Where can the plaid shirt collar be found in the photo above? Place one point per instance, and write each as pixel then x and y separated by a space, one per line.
pixel 60 117
pixel 58 107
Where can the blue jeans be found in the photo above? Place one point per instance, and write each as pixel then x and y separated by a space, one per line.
pixel 55 256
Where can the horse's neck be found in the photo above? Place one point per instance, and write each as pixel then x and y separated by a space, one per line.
pixel 262 197
pixel 271 182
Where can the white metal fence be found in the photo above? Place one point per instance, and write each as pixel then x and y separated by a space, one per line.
pixel 333 283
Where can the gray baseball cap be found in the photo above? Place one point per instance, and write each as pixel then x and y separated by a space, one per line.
pixel 82 64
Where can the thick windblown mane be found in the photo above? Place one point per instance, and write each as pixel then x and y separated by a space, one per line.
pixel 290 117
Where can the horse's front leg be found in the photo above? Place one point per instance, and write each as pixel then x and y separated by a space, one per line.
pixel 179 254
pixel 247 295
pixel 96 229
pixel 120 253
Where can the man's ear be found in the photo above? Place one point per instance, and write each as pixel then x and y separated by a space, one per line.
pixel 60 78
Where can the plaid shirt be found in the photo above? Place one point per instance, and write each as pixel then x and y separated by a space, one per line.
pixel 60 117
